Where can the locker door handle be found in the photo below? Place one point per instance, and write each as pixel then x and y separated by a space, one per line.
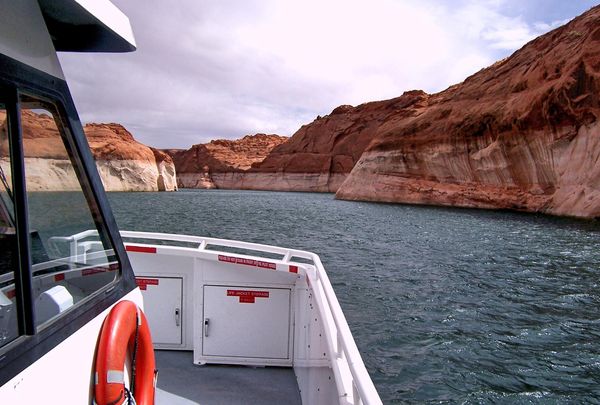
pixel 177 317
pixel 206 327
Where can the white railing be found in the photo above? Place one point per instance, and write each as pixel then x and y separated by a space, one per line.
pixel 77 250
pixel 287 254
pixel 344 352
pixel 354 385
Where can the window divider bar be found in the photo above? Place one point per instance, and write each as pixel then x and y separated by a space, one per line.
pixel 23 277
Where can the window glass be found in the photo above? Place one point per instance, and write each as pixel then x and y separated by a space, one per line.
pixel 8 246
pixel 71 255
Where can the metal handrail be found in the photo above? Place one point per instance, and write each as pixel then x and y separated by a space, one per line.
pixel 286 253
pixel 360 376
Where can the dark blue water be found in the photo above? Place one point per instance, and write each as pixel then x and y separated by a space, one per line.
pixel 446 305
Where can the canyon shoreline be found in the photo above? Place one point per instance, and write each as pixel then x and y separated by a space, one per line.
pixel 522 134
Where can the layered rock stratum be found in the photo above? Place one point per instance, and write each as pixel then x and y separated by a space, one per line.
pixel 126 164
pixel 123 163
pixel 205 165
pixel 522 134
pixel 320 155
pixel 317 158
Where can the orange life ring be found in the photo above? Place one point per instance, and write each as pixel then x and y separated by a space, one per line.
pixel 118 334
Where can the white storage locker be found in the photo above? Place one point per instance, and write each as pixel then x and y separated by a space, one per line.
pixel 163 308
pixel 246 323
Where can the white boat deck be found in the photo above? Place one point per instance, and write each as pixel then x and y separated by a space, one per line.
pixel 180 382
pixel 239 305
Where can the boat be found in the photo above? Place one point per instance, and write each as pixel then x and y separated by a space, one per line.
pixel 92 314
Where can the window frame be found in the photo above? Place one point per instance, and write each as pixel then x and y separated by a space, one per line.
pixel 17 78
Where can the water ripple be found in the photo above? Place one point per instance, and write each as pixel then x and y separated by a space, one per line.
pixel 446 305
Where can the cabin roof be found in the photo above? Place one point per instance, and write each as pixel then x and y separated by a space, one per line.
pixel 87 26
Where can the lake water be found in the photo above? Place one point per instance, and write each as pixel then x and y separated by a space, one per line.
pixel 446 305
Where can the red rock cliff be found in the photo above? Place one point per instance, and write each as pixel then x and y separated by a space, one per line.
pixel 126 164
pixel 522 134
pixel 199 165
pixel 123 163
pixel 320 155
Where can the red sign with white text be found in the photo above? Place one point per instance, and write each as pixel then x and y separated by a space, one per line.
pixel 247 296
pixel 247 262
pixel 143 283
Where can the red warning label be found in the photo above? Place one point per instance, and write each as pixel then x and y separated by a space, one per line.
pixel 143 283
pixel 247 296
pixel 140 249
pixel 247 262
pixel 93 270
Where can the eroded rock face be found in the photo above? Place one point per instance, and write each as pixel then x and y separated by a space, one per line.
pixel 278 181
pixel 522 134
pixel 127 165
pixel 198 166
pixel 320 155
pixel 123 163
pixel 167 178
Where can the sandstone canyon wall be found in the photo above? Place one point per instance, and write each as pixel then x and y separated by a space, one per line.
pixel 123 163
pixel 317 158
pixel 320 155
pixel 127 165
pixel 523 134
pixel 210 165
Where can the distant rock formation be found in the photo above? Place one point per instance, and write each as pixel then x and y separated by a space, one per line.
pixel 123 163
pixel 523 134
pixel 127 165
pixel 167 178
pixel 203 165
pixel 320 155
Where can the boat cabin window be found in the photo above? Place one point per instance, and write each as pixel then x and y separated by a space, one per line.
pixel 71 259
pixel 8 319
pixel 70 252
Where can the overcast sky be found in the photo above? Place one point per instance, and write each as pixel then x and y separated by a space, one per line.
pixel 208 69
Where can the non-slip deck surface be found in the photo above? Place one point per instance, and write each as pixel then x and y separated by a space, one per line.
pixel 180 382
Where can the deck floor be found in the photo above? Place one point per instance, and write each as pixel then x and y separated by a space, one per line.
pixel 182 382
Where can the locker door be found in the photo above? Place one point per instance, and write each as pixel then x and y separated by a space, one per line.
pixel 246 322
pixel 163 307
